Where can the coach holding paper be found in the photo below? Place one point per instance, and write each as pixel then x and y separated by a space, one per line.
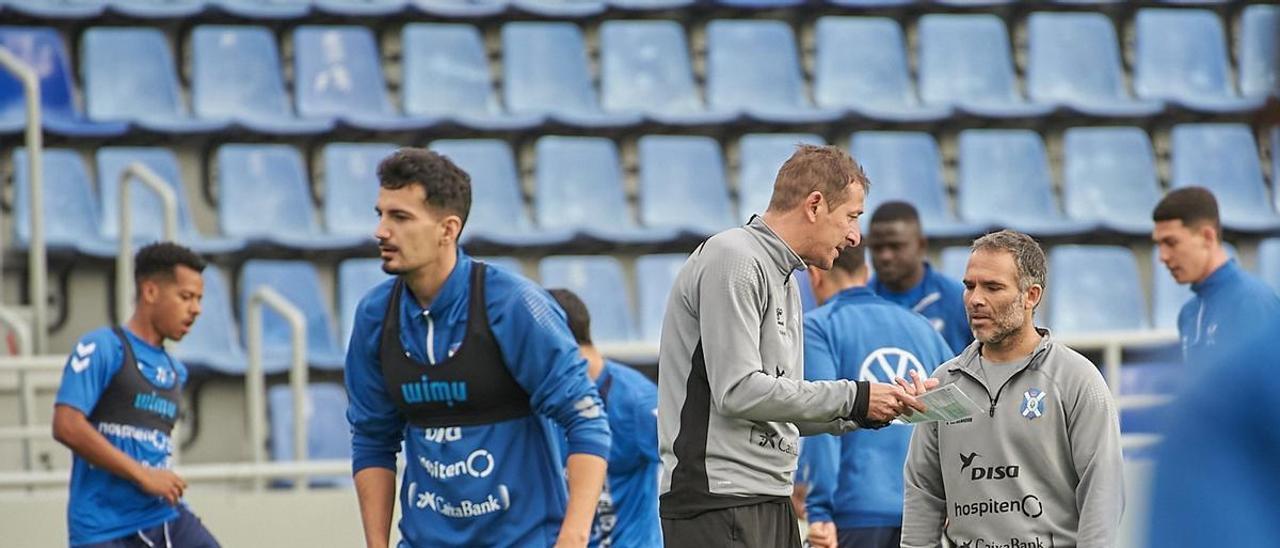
pixel 732 400
pixel 1042 467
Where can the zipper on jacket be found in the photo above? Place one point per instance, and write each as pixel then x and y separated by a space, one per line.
pixel 994 400
pixel 431 338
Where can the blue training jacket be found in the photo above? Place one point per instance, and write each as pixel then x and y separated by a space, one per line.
pixel 939 299
pixel 103 506
pixel 1216 478
pixel 497 484
pixel 1227 307
pixel 628 512
pixel 856 480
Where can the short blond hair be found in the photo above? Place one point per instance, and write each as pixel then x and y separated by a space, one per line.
pixel 825 169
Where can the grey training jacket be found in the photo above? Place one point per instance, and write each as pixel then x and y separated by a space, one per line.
pixel 1041 468
pixel 732 399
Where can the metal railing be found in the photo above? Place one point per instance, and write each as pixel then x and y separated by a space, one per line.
pixel 25 366
pixel 254 385
pixel 37 263
pixel 137 171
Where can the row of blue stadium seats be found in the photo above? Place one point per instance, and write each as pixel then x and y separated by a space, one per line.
pixel 1109 182
pixel 299 9
pixel 214 343
pixel 753 74
pixel 1093 289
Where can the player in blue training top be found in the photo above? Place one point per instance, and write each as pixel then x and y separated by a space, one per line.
pixel 627 516
pixel 855 480
pixel 1229 304
pixel 902 275
pixel 119 399
pixel 465 363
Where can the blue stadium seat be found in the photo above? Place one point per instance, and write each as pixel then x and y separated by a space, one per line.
pixel 148 210
pixel 328 436
pixel 56 9
pixel 1181 57
pixel 753 69
pixel 760 4
pixel 954 261
pixel 965 62
pixel 155 9
pixel 214 341
pixel 257 9
pixel 1095 288
pixel 1224 159
pixel 907 166
pixel 461 8
pixel 70 212
pixel 1258 51
pixel 264 197
pixel 446 75
pixel 1109 177
pixel 1004 180
pixel 545 71
pixel 560 9
pixel 649 5
pixel 599 281
pixel 351 187
pixel 299 283
pixel 861 65
pixel 356 277
pixel 873 3
pixel 129 76
pixel 236 76
pixel 1269 262
pixel 683 185
pixel 42 49
pixel 360 8
pixel 655 274
pixel 498 215
pixel 1074 62
pixel 760 156
pixel 338 74
pixel 645 67
pixel 579 188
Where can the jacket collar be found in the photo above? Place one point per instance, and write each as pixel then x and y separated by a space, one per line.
pixel 1224 275
pixel 781 254
pixel 968 359
pixel 456 289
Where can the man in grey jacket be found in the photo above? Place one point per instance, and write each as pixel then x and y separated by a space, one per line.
pixel 732 399
pixel 1042 466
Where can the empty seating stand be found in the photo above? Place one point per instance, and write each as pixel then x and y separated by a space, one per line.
pixel 1074 63
pixel 601 284
pixel 861 67
pixel 1109 177
pixel 1181 58
pixel 43 50
pixel 299 283
pixel 1224 159
pixel 753 70
pixel 1096 288
pixel 907 166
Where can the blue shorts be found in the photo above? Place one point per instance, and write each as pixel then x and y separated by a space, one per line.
pixel 184 531
pixel 869 537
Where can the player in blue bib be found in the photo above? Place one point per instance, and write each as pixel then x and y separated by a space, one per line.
pixel 119 399
pixel 468 365
pixel 627 516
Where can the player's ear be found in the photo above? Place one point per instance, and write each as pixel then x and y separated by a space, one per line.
pixel 811 204
pixel 1033 295
pixel 450 229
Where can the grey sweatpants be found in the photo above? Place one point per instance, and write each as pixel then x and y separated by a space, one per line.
pixel 764 525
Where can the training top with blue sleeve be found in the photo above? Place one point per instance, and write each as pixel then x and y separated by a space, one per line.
pixel 628 511
pixel 469 480
pixel 103 506
pixel 1225 308
pixel 858 335
pixel 939 299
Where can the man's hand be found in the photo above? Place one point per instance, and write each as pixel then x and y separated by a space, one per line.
pixel 919 384
pixel 822 534
pixel 887 401
pixel 162 483
pixel 798 494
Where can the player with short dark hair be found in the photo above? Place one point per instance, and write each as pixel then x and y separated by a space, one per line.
pixel 467 365
pixel 120 397
pixel 904 276
pixel 1229 303
pixel 628 511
